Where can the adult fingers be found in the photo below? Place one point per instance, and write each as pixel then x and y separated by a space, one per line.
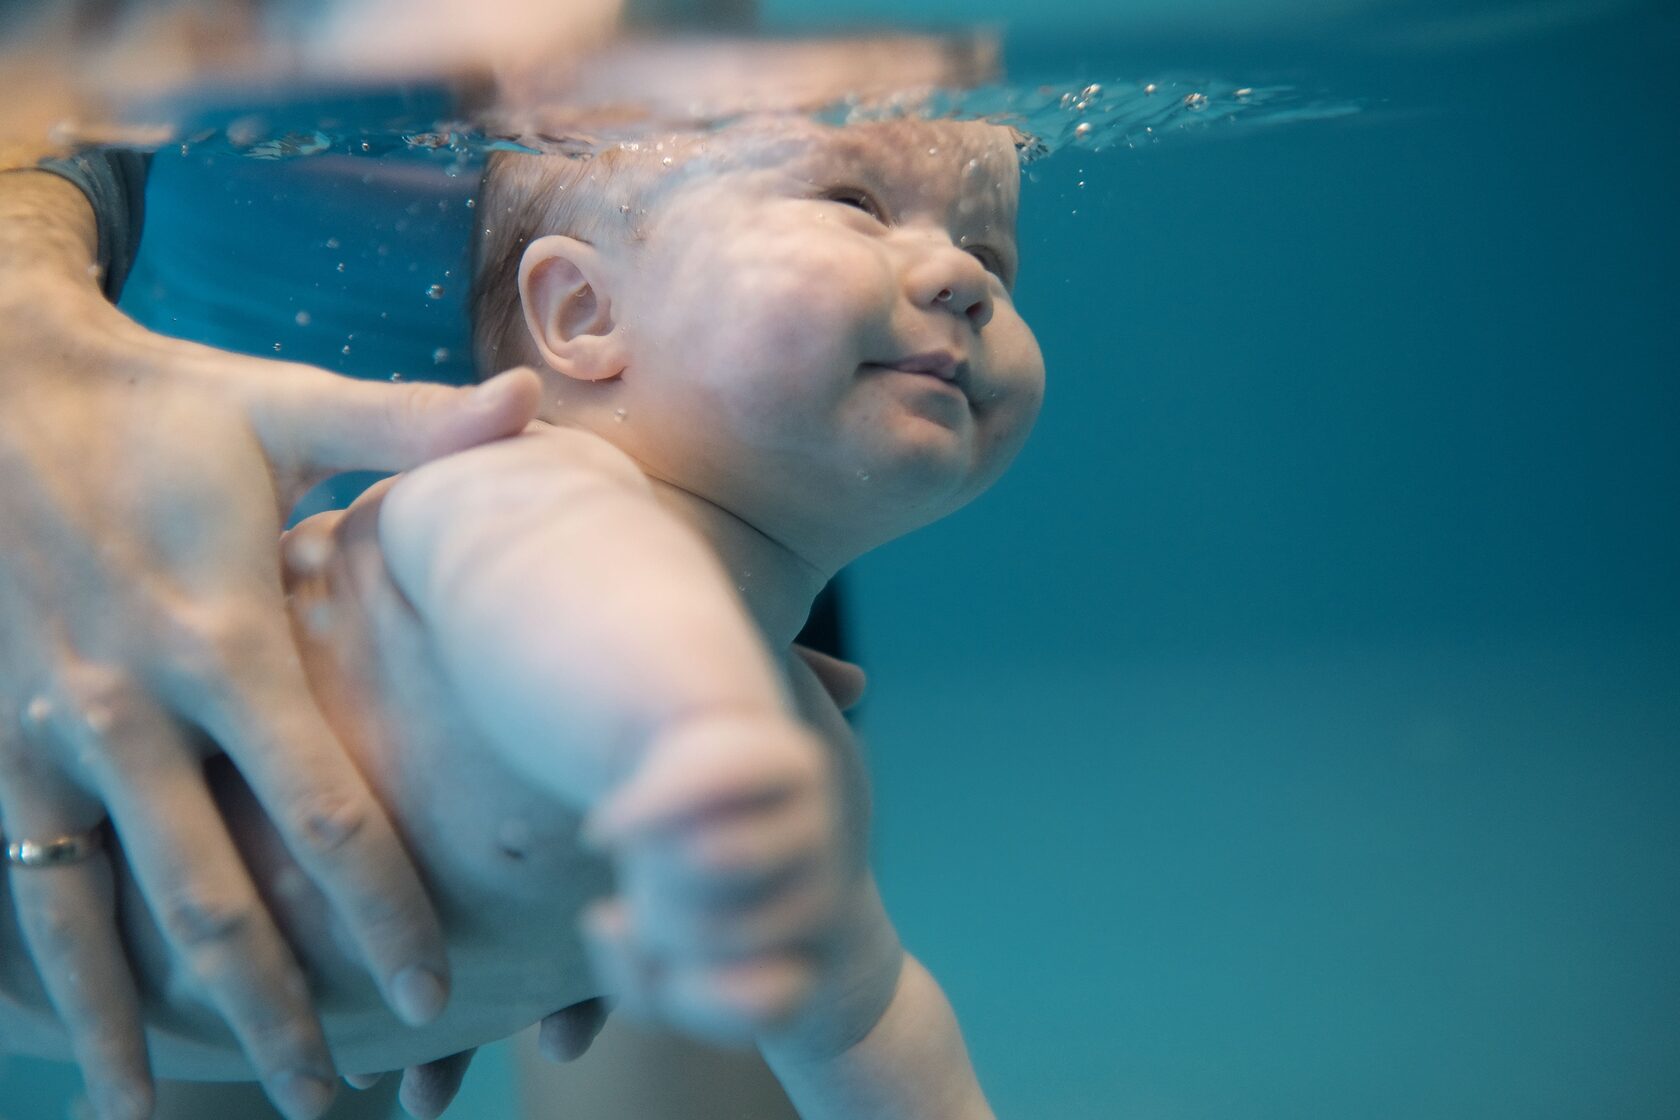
pixel 313 423
pixel 430 1088
pixel 201 895
pixel 567 1034
pixel 68 917
pixel 326 815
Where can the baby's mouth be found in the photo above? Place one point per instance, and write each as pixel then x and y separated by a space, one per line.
pixel 939 364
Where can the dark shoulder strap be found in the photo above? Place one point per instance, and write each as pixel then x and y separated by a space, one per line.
pixel 114 180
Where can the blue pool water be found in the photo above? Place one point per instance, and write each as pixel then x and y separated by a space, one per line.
pixel 1296 731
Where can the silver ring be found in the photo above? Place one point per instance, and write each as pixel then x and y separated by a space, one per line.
pixel 72 847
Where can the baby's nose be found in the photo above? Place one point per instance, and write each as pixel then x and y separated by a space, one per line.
pixel 955 281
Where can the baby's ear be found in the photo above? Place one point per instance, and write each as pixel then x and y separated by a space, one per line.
pixel 568 309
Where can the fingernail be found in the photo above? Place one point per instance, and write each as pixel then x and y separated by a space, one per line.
pixel 486 393
pixel 417 995
pixel 301 1096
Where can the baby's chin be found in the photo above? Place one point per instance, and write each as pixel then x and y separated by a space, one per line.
pixel 914 476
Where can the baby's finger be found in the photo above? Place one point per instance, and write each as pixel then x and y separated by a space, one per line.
pixel 69 924
pixel 733 1002
pixel 687 930
pixel 624 973
pixel 742 857
pixel 704 767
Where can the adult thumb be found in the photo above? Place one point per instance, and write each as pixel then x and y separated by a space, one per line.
pixel 322 423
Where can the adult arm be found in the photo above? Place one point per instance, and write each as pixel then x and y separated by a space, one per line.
pixel 142 485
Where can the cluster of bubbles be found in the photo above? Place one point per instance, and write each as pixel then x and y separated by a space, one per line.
pixel 1094 116
pixel 1050 116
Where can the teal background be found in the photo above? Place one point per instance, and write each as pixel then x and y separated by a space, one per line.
pixel 1296 731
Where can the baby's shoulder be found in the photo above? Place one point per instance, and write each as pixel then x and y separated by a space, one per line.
pixel 576 449
pixel 541 466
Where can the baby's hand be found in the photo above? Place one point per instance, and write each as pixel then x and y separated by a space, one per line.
pixel 727 848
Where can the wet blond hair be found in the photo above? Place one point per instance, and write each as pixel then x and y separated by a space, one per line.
pixel 595 197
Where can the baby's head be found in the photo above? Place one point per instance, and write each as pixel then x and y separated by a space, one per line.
pixel 808 326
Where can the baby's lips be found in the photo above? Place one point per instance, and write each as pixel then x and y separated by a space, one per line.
pixel 941 363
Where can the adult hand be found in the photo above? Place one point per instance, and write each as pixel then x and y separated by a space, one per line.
pixel 428 1090
pixel 143 481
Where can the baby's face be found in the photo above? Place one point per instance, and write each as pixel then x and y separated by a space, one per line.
pixel 820 332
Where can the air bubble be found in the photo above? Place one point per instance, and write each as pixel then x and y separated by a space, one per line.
pixel 1151 88
pixel 1195 101
pixel 1082 129
pixel 1244 92
pixel 863 476
pixel 345 349
pixel 472 203
pixel 301 318
pixel 1089 92
pixel 619 415
pixel 440 355
pixel 38 711
pixel 341 266
pixel 666 162
pixel 332 242
pixel 396 375
pixel 277 348
pixel 435 291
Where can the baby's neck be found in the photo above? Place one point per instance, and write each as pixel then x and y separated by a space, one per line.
pixel 776 584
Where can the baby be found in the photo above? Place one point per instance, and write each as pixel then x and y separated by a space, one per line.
pixel 564 661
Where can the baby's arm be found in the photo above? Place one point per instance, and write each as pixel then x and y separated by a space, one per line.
pixel 598 646
pixel 911 1066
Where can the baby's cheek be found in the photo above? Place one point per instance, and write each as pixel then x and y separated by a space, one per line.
pixel 804 318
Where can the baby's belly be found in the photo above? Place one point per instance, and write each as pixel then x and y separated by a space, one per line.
pixel 503 870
